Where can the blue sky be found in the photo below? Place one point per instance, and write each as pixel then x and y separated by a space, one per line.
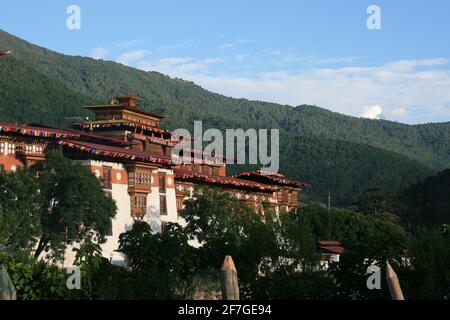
pixel 291 52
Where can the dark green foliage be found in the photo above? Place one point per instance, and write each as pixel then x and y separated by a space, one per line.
pixel 428 202
pixel 163 263
pixel 275 258
pixel 19 212
pixel 346 169
pixel 284 284
pixel 102 280
pixel 224 226
pixel 27 96
pixel 366 239
pixel 278 259
pixel 57 201
pixel 378 201
pixel 371 236
pixel 36 280
pixel 72 204
pixel 293 271
pixel 425 274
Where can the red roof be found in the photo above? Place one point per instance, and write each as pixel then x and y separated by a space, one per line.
pixel 38 131
pixel 329 243
pixel 335 249
pixel 277 178
pixel 116 152
pixel 222 180
pixel 126 107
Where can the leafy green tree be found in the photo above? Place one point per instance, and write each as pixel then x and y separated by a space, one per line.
pixel 377 201
pixel 425 274
pixel 366 239
pixel 100 279
pixel 19 212
pixel 296 272
pixel 223 225
pixel 164 262
pixel 73 205
pixel 427 203
pixel 37 280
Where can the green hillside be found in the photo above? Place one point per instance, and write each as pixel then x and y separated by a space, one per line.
pixel 428 202
pixel 337 153
pixel 29 96
pixel 185 101
pixel 347 169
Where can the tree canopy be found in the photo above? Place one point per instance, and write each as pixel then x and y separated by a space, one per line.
pixel 57 201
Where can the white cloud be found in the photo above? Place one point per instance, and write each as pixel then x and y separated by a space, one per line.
pixel 241 57
pixel 398 111
pixel 177 66
pixel 338 60
pixel 246 41
pixel 419 86
pixel 99 53
pixel 130 43
pixel 372 112
pixel 175 46
pixel 131 56
pixel 226 46
pixel 411 64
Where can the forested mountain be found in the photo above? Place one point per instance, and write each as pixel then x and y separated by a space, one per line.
pixel 29 96
pixel 336 153
pixel 345 169
pixel 428 202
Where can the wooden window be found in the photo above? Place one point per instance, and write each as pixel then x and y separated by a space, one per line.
pixel 107 178
pixel 279 196
pixel 2 147
pixel 162 204
pixel 285 196
pixel 207 169
pixel 131 179
pixel 162 183
pixel 180 203
pixel 11 148
pixel 138 205
pixel 155 148
pixel 294 198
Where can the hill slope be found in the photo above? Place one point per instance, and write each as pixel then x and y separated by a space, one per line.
pixel 428 202
pixel 28 96
pixel 337 153
pixel 185 101
pixel 345 169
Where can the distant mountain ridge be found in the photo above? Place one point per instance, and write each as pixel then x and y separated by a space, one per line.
pixel 414 151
